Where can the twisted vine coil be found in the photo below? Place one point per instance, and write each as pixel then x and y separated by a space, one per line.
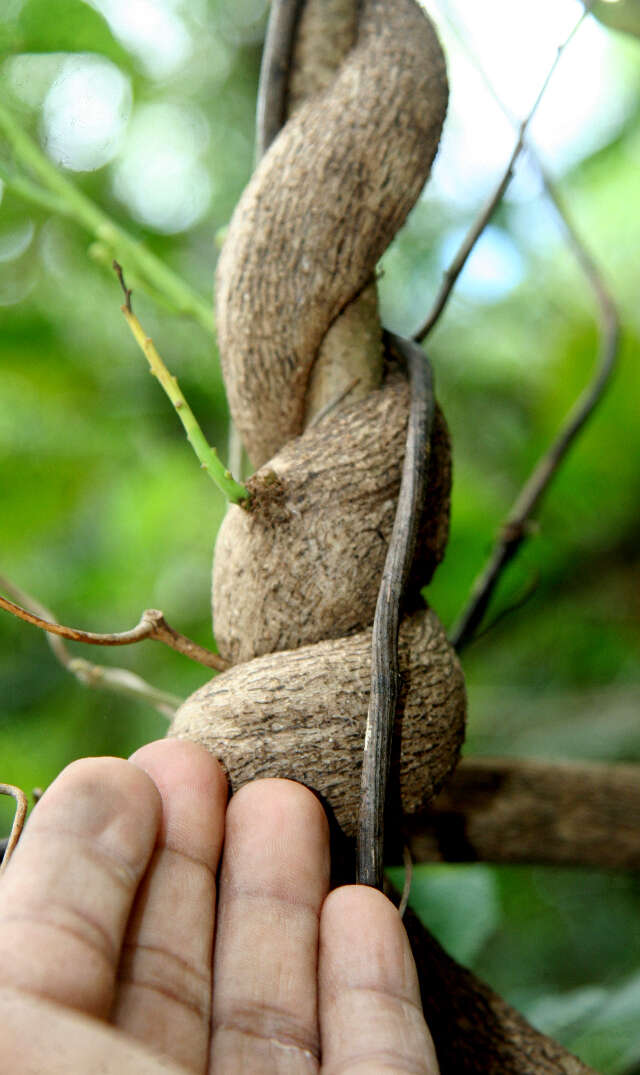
pixel 322 404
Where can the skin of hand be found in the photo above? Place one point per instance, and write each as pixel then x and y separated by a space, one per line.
pixel 108 910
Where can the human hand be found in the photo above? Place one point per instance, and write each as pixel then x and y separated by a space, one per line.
pixel 107 914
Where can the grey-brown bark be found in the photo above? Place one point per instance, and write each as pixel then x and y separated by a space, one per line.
pixel 524 810
pixel 322 206
pixel 301 251
pixel 301 714
pixel 305 563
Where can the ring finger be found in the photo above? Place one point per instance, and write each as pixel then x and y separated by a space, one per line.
pixel 275 876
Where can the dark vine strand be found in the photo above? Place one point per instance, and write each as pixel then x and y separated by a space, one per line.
pixel 384 644
pixel 274 72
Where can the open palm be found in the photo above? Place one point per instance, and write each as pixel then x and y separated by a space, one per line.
pixel 108 912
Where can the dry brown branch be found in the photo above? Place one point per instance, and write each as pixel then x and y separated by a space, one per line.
pixel 516 529
pixel 376 761
pixel 117 680
pixel 452 272
pixel 516 526
pixel 127 291
pixel 524 810
pixel 152 625
pixel 18 821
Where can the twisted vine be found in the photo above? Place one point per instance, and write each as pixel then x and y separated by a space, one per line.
pixel 321 400
pixel 322 403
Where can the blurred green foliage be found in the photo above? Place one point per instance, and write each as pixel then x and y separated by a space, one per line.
pixel 105 512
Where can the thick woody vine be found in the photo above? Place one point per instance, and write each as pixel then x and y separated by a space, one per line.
pixel 297 576
pixel 311 378
pixel 322 399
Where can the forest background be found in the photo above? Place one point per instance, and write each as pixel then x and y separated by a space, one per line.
pixel 148 106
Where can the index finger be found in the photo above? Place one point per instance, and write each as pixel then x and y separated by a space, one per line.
pixel 68 890
pixel 163 996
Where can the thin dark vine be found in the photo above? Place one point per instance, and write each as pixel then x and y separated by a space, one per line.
pixel 274 72
pixel 384 650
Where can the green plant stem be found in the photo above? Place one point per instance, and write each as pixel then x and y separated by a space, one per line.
pixel 62 195
pixel 31 192
pixel 210 461
pixel 102 254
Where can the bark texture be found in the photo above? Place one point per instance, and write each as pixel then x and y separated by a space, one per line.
pixel 321 208
pixel 296 578
pixel 306 562
pixel 302 713
pixel 350 357
pixel 522 810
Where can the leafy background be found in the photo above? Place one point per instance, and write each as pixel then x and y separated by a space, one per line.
pixel 104 512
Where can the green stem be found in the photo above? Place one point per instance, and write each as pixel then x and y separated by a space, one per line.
pixel 67 198
pixel 102 254
pixel 32 192
pixel 209 459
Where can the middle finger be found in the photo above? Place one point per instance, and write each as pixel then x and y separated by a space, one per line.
pixel 275 876
pixel 164 978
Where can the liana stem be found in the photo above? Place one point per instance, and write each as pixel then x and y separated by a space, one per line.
pixel 385 676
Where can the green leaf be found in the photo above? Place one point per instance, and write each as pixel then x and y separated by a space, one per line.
pixel 67 26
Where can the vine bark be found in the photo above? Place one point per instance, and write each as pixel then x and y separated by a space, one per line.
pixel 322 407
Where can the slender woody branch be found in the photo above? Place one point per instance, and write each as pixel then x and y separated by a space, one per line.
pixel 274 72
pixel 384 656
pixel 117 680
pixel 18 821
pixel 210 461
pixel 516 527
pixel 453 271
pixel 152 625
